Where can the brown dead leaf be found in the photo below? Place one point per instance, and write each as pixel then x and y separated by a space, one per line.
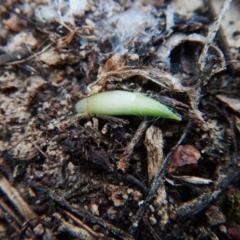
pixel 114 63
pixel 184 155
pixel 65 41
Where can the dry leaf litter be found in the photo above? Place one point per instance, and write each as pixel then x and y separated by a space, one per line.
pixel 68 176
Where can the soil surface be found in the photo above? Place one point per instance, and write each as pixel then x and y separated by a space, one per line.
pixel 65 175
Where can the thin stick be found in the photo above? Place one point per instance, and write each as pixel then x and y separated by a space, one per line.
pixel 39 149
pixel 212 34
pixel 32 56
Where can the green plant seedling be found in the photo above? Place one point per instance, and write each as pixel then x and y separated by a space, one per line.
pixel 124 103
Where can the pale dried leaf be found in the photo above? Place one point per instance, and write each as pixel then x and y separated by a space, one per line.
pixel 193 179
pixel 186 7
pixel 233 103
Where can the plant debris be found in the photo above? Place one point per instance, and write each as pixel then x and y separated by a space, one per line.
pixel 83 176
